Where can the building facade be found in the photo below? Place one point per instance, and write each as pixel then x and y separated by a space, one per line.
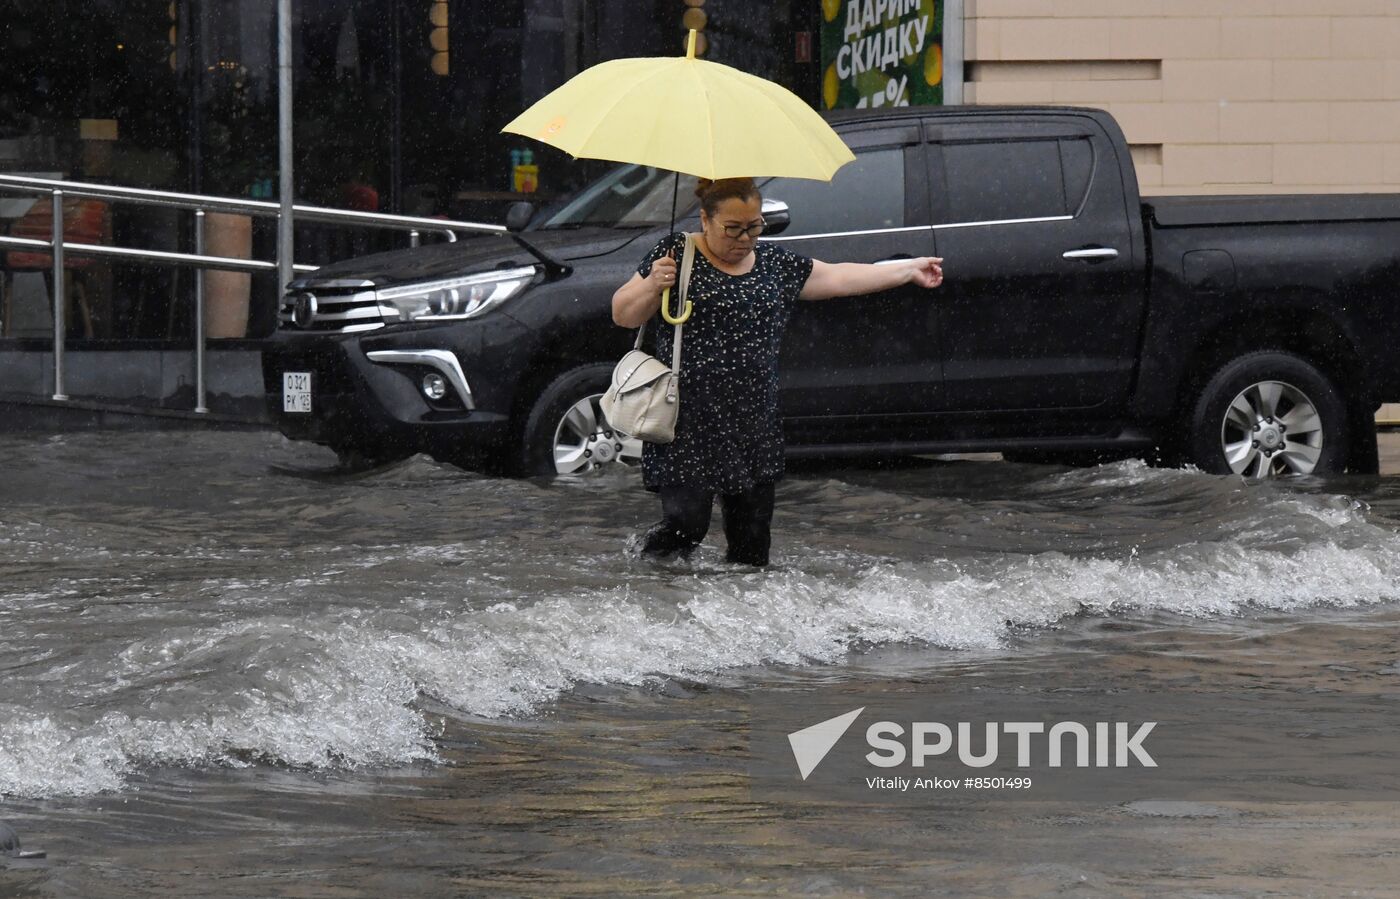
pixel 1215 96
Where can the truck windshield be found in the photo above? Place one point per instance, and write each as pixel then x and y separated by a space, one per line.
pixel 629 195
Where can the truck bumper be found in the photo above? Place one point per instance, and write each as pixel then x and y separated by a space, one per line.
pixel 377 408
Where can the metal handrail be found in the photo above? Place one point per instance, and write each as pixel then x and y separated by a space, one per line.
pixel 322 214
pixel 169 257
pixel 199 260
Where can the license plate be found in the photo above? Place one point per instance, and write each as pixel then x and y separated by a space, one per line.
pixel 296 391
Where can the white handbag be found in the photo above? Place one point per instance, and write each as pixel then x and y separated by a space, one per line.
pixel 644 397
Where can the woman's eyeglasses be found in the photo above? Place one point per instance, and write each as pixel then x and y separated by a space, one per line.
pixel 734 232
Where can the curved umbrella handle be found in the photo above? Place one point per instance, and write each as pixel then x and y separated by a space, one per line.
pixel 680 319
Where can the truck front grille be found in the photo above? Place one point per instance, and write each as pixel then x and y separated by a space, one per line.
pixel 331 307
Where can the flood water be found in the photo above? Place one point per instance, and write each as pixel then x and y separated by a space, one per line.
pixel 224 674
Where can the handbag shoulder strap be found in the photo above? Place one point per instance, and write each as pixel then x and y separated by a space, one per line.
pixel 687 263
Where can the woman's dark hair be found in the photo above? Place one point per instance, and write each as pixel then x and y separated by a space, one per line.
pixel 713 193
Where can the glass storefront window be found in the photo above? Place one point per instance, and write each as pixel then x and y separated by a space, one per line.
pixel 88 92
pixel 399 105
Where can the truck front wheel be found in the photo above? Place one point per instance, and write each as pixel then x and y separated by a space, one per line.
pixel 565 431
pixel 1268 414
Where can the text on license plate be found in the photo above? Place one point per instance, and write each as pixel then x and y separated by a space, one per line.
pixel 296 391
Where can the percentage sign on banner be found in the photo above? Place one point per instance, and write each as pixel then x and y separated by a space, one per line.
pixel 898 93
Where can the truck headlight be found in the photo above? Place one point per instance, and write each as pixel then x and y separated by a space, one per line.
pixel 453 298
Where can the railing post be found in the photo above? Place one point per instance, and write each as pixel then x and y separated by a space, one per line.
pixel 58 296
pixel 199 405
pixel 413 238
pixel 286 235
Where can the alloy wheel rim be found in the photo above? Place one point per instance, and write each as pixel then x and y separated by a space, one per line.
pixel 1271 429
pixel 583 440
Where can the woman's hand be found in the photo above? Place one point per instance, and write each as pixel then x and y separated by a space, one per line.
pixel 637 301
pixel 663 274
pixel 926 271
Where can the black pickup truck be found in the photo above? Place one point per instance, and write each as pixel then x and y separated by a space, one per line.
pixel 1248 334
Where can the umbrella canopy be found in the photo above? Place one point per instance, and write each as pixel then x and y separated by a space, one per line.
pixel 688 115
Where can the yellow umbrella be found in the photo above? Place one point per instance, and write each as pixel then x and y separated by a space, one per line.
pixel 688 115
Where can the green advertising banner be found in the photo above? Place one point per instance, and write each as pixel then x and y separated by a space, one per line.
pixel 882 53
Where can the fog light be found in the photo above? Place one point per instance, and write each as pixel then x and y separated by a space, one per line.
pixel 434 386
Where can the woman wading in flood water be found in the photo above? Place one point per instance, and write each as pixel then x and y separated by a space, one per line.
pixel 728 435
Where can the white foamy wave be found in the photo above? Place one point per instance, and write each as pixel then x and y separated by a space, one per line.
pixel 509 660
pixel 40 757
pixel 1334 510
pixel 1127 473
pixel 315 710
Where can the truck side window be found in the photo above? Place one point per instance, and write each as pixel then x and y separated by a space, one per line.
pixel 1077 157
pixel 1009 179
pixel 865 195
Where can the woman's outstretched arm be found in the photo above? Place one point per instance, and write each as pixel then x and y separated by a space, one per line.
pixel 848 279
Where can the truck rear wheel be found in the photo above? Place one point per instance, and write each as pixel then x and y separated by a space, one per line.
pixel 1268 414
pixel 566 432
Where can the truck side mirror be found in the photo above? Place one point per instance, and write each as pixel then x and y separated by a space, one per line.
pixel 775 213
pixel 519 215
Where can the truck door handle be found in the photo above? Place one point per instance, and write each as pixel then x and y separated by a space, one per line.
pixel 1092 254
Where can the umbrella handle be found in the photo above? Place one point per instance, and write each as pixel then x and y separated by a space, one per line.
pixel 680 319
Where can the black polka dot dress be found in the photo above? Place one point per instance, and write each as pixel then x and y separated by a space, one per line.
pixel 728 433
